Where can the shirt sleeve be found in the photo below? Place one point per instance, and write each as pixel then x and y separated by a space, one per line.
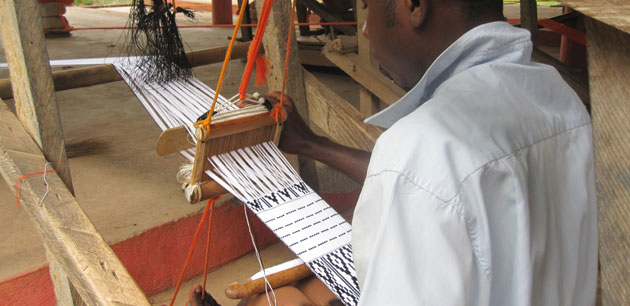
pixel 410 247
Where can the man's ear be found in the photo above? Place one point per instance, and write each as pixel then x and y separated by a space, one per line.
pixel 418 10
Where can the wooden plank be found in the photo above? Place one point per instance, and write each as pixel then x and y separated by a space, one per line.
pixel 63 288
pixel 275 43
pixel 609 63
pixel 366 75
pixel 314 58
pixel 337 117
pixel 35 100
pixel 80 251
pixel 614 13
pixel 102 74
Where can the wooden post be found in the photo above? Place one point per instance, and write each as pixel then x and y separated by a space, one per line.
pixel 529 17
pixel 75 250
pixel 609 64
pixel 275 41
pixel 368 103
pixel 68 235
pixel 35 100
pixel 246 32
pixel 221 11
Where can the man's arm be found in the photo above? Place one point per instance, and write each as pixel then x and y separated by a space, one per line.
pixel 298 138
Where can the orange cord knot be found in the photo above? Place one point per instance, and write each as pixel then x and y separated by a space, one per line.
pixel 205 124
pixel 277 113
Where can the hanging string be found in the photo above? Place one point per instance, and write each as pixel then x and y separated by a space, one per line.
pixel 19 181
pixel 278 112
pixel 206 122
pixel 253 53
pixel 260 263
pixel 190 252
pixel 205 266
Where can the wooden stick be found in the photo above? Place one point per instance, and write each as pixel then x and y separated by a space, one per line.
pixel 252 287
pixel 203 191
pixel 102 74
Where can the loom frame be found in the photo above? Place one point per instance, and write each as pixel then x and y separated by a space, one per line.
pixel 21 143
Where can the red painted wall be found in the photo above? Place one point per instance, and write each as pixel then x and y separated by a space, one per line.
pixel 155 258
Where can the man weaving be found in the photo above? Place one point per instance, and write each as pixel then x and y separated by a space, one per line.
pixel 481 190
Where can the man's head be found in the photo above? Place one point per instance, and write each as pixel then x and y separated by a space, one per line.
pixel 408 35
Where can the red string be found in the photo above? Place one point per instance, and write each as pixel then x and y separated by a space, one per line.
pixel 19 181
pixel 63 19
pixel 251 25
pixel 190 252
pixel 205 266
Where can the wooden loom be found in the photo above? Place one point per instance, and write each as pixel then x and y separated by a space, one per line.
pixel 229 131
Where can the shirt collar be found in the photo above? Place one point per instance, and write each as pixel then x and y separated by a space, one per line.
pixel 490 42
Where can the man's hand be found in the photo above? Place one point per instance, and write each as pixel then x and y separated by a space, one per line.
pixel 298 138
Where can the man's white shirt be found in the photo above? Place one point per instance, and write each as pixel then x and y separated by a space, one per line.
pixel 481 191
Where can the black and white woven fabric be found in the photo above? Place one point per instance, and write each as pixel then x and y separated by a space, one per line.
pixel 262 178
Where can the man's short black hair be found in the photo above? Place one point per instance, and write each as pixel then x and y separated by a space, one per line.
pixel 475 8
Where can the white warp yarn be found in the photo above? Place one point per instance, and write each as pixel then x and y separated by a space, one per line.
pixel 263 179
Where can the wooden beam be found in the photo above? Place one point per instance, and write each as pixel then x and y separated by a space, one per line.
pixel 341 121
pixel 611 12
pixel 314 58
pixel 35 100
pixel 77 248
pixel 366 75
pixel 609 63
pixel 275 42
pixel 102 74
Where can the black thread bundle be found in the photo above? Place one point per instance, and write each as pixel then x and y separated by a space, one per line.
pixel 154 38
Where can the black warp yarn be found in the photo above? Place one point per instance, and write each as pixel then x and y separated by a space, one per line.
pixel 154 37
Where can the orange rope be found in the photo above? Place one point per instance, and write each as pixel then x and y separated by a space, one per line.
pixel 190 252
pixel 278 111
pixel 205 266
pixel 206 122
pixel 254 47
pixel 218 26
pixel 19 181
